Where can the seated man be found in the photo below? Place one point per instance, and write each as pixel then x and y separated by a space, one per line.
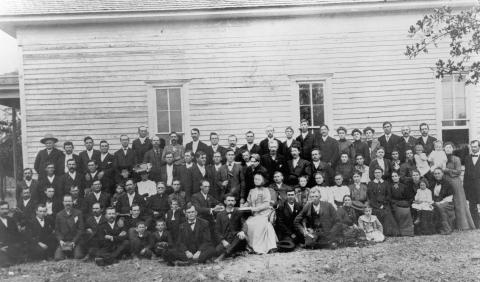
pixel 174 218
pixel 228 229
pixel 26 206
pixel 141 242
pixel 315 221
pixel 205 204
pixel 279 187
pixel 92 223
pixel 194 240
pixel 97 196
pixel 287 211
pixel 69 228
pixel 444 208
pixel 158 203
pixel 40 237
pixel 112 240
pixel 127 200
pixel 136 215
pixel 162 240
pixel 178 194
pixel 10 245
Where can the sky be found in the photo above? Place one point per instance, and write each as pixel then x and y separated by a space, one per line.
pixel 8 53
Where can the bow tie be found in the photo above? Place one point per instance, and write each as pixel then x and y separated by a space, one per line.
pixel 474 156
pixel 191 223
pixel 229 212
pixel 438 183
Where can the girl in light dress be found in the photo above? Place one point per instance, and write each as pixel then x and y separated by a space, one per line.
pixel 423 198
pixel 422 208
pixel 421 160
pixel 438 157
pixel 371 226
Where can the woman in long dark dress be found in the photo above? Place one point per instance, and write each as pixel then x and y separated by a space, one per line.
pixel 463 218
pixel 379 198
pixel 402 197
pixel 346 231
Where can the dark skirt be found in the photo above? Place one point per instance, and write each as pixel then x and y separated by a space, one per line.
pixel 385 216
pixel 404 220
pixel 425 223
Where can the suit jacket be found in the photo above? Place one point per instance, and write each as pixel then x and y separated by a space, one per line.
pixel 445 190
pixel 124 161
pixel 286 218
pixel 235 177
pixel 67 182
pixel 306 145
pixel 264 146
pixel 389 146
pixel 198 239
pixel 255 149
pixel 84 159
pixel 108 179
pixel 156 160
pixel 77 161
pixel 29 210
pixel 328 173
pixel 123 205
pixel 280 191
pixel 302 168
pixel 35 233
pixel 165 237
pixel 227 228
pixel 386 173
pixel 203 205
pixel 427 147
pixel 158 203
pixel 57 184
pixel 163 173
pixel 201 147
pixel 104 200
pixel 286 149
pixel 9 234
pixel 55 157
pixel 361 148
pixel 57 206
pixel 279 164
pixel 105 229
pixel 89 178
pixel 328 149
pixel 471 180
pixel 69 228
pixel 91 223
pixel 404 145
pixel 194 176
pixel 34 190
pixel 323 221
pixel 140 149
pixel 210 153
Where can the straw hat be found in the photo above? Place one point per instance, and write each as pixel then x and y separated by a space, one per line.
pixel 47 137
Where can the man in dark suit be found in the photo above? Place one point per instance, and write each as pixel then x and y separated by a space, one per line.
pixel 50 179
pixel 232 145
pixel 288 143
pixel 49 155
pixel 197 172
pixel 214 147
pixel 316 221
pixel 389 141
pixel 269 130
pixel 274 161
pixel 73 178
pixel 196 145
pixel 194 240
pixel 206 205
pixel 228 229
pixel 182 170
pixel 217 189
pixel 53 205
pixel 92 222
pixel 444 208
pixel 328 147
pixel 88 155
pixel 31 184
pixel 125 202
pixel 406 142
pixel 251 147
pixel 158 203
pixel 471 181
pixel 287 211
pixel 124 157
pixel 154 157
pixel 10 246
pixel 250 172
pixel 230 177
pixel 40 235
pixel 68 147
pixel 112 240
pixel 426 140
pixel 92 175
pixel 142 144
pixel 97 196
pixel 297 167
pixel 26 206
pixel 318 165
pixel 279 187
pixel 106 166
pixel 69 227
pixel 168 171
pixel 306 139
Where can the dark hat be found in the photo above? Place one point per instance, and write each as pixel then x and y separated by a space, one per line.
pixel 358 205
pixel 356 130
pixel 47 137
pixel 285 246
pixel 367 129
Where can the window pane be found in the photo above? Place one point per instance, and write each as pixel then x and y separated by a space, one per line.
pixel 447 109
pixel 162 121
pixel 447 123
pixel 305 113
pixel 175 99
pixel 162 100
pixel 317 93
pixel 318 115
pixel 459 88
pixel 447 90
pixel 460 109
pixel 304 93
pixel 176 122
pixel 460 122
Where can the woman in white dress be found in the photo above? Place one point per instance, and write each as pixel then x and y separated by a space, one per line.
pixel 261 237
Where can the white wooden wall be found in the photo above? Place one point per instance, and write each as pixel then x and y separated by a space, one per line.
pixel 90 79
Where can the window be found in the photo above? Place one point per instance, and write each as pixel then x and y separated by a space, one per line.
pixel 168 111
pixel 312 106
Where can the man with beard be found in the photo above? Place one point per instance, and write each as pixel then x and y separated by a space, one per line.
pixel 49 155
pixel 68 147
pixel 73 178
pixel 406 142
pixel 175 148
pixel 69 227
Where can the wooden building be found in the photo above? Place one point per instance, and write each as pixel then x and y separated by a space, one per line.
pixel 102 68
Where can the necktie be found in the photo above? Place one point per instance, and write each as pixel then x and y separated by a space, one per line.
pixel 474 156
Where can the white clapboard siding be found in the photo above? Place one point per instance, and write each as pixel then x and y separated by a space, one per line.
pixel 93 79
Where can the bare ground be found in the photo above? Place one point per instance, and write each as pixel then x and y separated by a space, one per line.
pixel 423 258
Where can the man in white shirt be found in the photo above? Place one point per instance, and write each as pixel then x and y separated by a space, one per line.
pixel 68 147
pixel 196 145
pixel 41 238
pixel 269 130
pixel 426 140
pixel 214 148
pixel 88 155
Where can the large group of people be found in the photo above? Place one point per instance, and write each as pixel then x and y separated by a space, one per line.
pixel 199 202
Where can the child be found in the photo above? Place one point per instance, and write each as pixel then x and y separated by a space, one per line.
pixel 371 226
pixel 423 198
pixel 423 209
pixel 301 190
pixel 141 242
pixel 421 160
pixel 326 193
pixel 162 241
pixel 339 190
pixel 174 218
pixel 438 157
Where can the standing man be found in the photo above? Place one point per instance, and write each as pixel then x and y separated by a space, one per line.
pixel 175 148
pixel 10 247
pixel 154 157
pixel 49 179
pixel 195 174
pixel 230 178
pixel 251 147
pixel 106 166
pixel 288 143
pixel 406 142
pixel 88 155
pixel 274 161
pixel 40 235
pixel 214 147
pixel 196 145
pixel 306 139
pixel 297 167
pixel 168 171
pixel 124 157
pixel 68 147
pixel 269 130
pixel 28 183
pixel 471 181
pixel 49 155
pixel 232 144
pixel 73 178
pixel 328 147
pixel 69 228
pixel 426 140
pixel 142 144
pixel 97 196
pixel 388 140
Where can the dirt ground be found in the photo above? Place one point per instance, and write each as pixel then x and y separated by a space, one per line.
pixel 424 258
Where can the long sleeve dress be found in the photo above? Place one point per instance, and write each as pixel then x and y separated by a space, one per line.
pixel 379 197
